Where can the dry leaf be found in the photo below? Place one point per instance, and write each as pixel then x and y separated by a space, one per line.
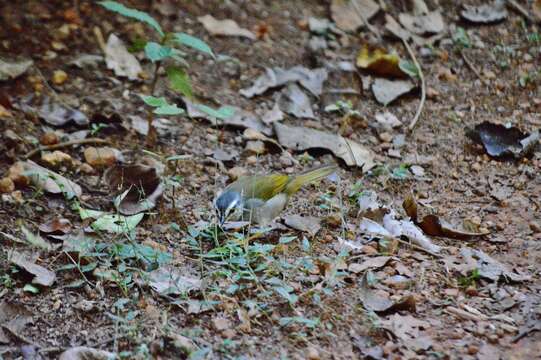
pixel 11 69
pixel 295 102
pixel 486 13
pixel 120 60
pixel 225 27
pixel 86 353
pixel 139 186
pixel 50 181
pixel 300 139
pixel 379 62
pixel 168 280
pixel 309 224
pixel 376 301
pixel 56 226
pixel 386 91
pixel 42 276
pixel 349 15
pixel 371 263
pixel 428 24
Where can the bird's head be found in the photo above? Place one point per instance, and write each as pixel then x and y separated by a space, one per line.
pixel 228 204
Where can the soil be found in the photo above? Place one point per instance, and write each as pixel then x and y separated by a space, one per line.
pixel 455 317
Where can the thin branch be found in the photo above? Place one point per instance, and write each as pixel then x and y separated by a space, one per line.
pixel 520 9
pixel 423 86
pixel 472 67
pixel 66 144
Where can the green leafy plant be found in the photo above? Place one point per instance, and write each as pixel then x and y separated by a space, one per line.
pixel 470 280
pixel 461 39
pixel 167 52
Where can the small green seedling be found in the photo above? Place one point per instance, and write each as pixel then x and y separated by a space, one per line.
pixel 168 52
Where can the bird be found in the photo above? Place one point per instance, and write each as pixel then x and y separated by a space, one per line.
pixel 260 199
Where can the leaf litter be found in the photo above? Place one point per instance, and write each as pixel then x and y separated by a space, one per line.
pixel 42 276
pixel 226 27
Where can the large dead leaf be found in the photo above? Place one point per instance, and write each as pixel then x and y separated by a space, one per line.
pixel 58 114
pixel 309 224
pixel 425 24
pixel 372 263
pixel 503 142
pixel 386 91
pixel 380 302
pixel 379 62
pixel 311 80
pixel 50 181
pixel 86 353
pixel 433 225
pixel 408 329
pixel 42 276
pixel 300 139
pixel 488 267
pixel 295 102
pixel 486 13
pixel 225 27
pixel 138 185
pixel 349 15
pixel 10 69
pixel 168 280
pixel 14 317
pixel 120 60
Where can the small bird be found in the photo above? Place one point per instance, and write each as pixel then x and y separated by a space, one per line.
pixel 260 199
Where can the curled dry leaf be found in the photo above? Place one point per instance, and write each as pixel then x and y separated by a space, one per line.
pixel 386 91
pixel 42 276
pixel 86 353
pixel 11 69
pixel 309 224
pixel 349 15
pixel 371 263
pixel 120 60
pixel 408 329
pixel 56 114
pixel 83 61
pixel 49 181
pixel 295 102
pixel 311 80
pixel 424 24
pixel 379 62
pixel 14 317
pixel 225 27
pixel 56 226
pixel 486 13
pixel 503 142
pixel 139 186
pixel 300 139
pixel 168 280
pixel 434 226
pixel 376 301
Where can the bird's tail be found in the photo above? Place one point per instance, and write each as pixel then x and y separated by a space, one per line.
pixel 307 177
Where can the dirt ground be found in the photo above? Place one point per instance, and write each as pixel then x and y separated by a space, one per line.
pixel 302 299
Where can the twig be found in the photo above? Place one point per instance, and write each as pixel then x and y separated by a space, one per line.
pixel 99 37
pixel 423 86
pixel 66 144
pixel 520 9
pixel 420 248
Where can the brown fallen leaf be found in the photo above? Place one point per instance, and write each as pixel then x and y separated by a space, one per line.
pixel 386 91
pixel 300 139
pixel 120 60
pixel 309 224
pixel 56 226
pixel 42 276
pixel 86 353
pixel 371 263
pixel 381 304
pixel 434 226
pixel 349 15
pixel 379 62
pixel 45 179
pixel 14 317
pixel 168 280
pixel 138 187
pixel 225 27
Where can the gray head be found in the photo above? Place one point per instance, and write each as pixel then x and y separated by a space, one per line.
pixel 226 204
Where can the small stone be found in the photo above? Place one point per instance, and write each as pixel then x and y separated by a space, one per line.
pixel 236 172
pixel 256 147
pixel 251 160
pixel 17 196
pixel 432 93
pixel 369 250
pixel 489 74
pixel 417 170
pixel 535 227
pixel 86 169
pixel 312 353
pixel 56 158
pixel 221 323
pixel 285 161
pixel 476 167
pixel 101 157
pixel 59 77
pixel 58 46
pixel 7 185
pixel 386 137
pixel 16 174
pixel 394 153
pixel 49 138
pixel 473 349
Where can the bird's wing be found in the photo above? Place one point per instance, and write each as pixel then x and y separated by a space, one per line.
pixel 260 187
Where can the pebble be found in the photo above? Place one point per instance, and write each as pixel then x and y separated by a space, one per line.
pixel 6 185
pixel 101 157
pixel 256 147
pixel 473 349
pixel 56 158
pixel 386 137
pixel 236 172
pixel 251 160
pixel 312 353
pixel 49 138
pixel 535 227
pixel 59 77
